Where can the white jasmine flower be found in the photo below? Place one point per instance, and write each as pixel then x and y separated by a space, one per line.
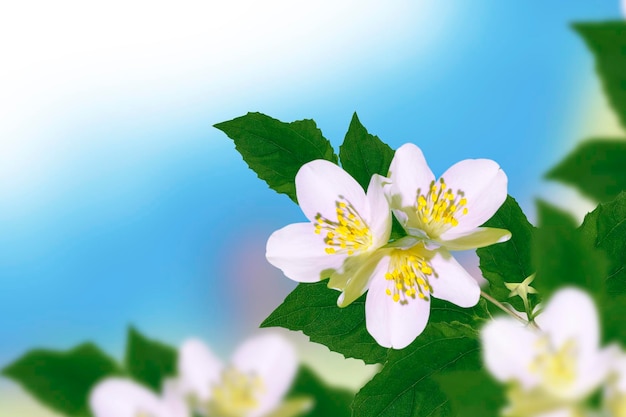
pixel 446 213
pixel 554 369
pixel 346 239
pixel 118 397
pixel 253 384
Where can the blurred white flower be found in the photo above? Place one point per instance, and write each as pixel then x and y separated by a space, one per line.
pixel 554 369
pixel 253 384
pixel 118 397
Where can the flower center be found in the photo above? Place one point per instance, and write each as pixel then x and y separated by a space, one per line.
pixel 440 208
pixel 408 275
pixel 346 235
pixel 556 366
pixel 236 395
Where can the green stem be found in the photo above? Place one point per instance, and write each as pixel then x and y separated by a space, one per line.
pixel 505 309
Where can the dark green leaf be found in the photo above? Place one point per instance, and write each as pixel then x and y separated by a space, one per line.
pixel 607 41
pixel 563 255
pixel 328 401
pixel 312 309
pixel 406 387
pixel 604 229
pixel 445 312
pixel 509 261
pixel 62 381
pixel 276 150
pixel 473 393
pixel 596 168
pixel 149 362
pixel 363 155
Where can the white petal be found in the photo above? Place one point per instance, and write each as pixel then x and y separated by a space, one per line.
pixel 319 184
pixel 301 254
pixel 571 315
pixel 409 172
pixel 508 351
pixel 379 214
pixel 592 371
pixel 116 397
pixel 561 412
pixel 273 359
pixel 451 282
pixel 356 279
pixel 174 398
pixel 393 324
pixel 198 368
pixel 478 238
pixel 484 185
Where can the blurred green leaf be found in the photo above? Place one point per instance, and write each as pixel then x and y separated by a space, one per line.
pixel 510 261
pixel 149 362
pixel 363 155
pixel 328 401
pixel 312 309
pixel 276 150
pixel 406 386
pixel 473 393
pixel 62 381
pixel 564 255
pixel 607 41
pixel 595 168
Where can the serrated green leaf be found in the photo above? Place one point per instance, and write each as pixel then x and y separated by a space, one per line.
pixel 363 155
pixel 607 41
pixel 62 381
pixel 406 386
pixel 510 261
pixel 327 401
pixel 312 309
pixel 445 312
pixel 276 150
pixel 148 361
pixel 604 229
pixel 595 168
pixel 563 255
pixel 472 393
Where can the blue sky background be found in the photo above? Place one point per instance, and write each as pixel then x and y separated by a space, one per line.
pixel 120 204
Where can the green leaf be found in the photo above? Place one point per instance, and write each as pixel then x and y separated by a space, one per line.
pixel 312 309
pixel 276 150
pixel 595 168
pixel 328 401
pixel 563 255
pixel 363 155
pixel 149 362
pixel 607 41
pixel 62 381
pixel 473 393
pixel 604 229
pixel 510 261
pixel 406 387
pixel 445 312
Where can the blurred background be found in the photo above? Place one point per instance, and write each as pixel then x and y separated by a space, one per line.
pixel 120 204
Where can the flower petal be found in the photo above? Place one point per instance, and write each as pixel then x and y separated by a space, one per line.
pixel 508 351
pixel 198 368
pixel 174 398
pixel 484 186
pixel 409 172
pixel 301 254
pixel 117 397
pixel 355 277
pixel 478 238
pixel 319 184
pixel 273 359
pixel 293 407
pixel 451 282
pixel 571 315
pixel 393 324
pixel 379 214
